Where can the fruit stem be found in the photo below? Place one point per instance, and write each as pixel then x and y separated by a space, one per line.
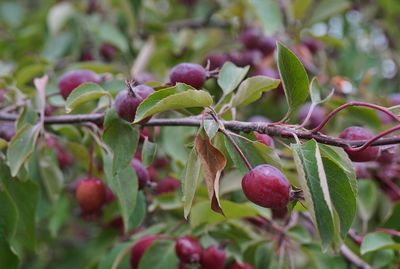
pixel 364 104
pixel 130 84
pixel 373 139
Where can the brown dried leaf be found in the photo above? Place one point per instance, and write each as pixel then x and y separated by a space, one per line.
pixel 213 162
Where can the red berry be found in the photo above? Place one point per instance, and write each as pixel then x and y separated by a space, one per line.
pixel 72 79
pixel 312 44
pixel 108 51
pixel 266 186
pixel 362 171
pixel 140 248
pixel 141 172
pixel 249 57
pixel 360 133
pixel 127 101
pixel 250 37
pixel 213 258
pixel 188 249
pixel 317 115
pixel 388 155
pixel 237 265
pixel 168 184
pixel 189 73
pixel 91 195
pixel 265 139
pixel 216 60
pixel 266 45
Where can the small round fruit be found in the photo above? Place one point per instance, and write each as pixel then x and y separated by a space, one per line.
pixel 250 37
pixel 317 115
pixel 360 133
pixel 107 51
pixel 237 265
pixel 140 248
pixel 216 60
pixel 168 184
pixel 266 186
pixel 388 155
pixel 249 57
pixel 91 195
pixel 189 73
pixel 141 172
pixel 312 44
pixel 188 249
pixel 362 171
pixel 127 101
pixel 266 45
pixel 72 79
pixel 213 258
pixel 265 139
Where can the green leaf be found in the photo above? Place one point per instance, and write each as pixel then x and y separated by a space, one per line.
pixel 251 89
pixel 172 98
pixel 256 153
pixel 325 9
pixel 25 196
pixel 314 184
pixel 190 181
pixel 121 138
pixel 377 241
pixel 367 199
pixel 393 222
pixel 51 175
pixel 110 34
pixel 269 12
pixel 124 185
pixel 149 151
pixel 210 127
pixel 21 146
pixel 300 8
pixel 315 92
pixel 201 212
pixel 114 257
pixel 230 76
pixel 160 255
pixel 84 93
pixel 294 78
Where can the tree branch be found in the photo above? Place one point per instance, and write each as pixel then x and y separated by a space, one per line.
pixel 283 131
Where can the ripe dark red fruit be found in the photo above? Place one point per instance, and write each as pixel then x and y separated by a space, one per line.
pixel 63 157
pixel 72 79
pixel 107 51
pixel 266 186
pixel 317 115
pixel 250 37
pixel 360 133
pixel 312 44
pixel 388 155
pixel 188 249
pixel 140 248
pixel 168 184
pixel 266 45
pixel 237 265
pixel 91 195
pixel 265 139
pixel 362 170
pixel 141 172
pixel 127 101
pixel 216 60
pixel 189 73
pixel 249 57
pixel 213 258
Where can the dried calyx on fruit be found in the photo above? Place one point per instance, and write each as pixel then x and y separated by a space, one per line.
pixel 128 100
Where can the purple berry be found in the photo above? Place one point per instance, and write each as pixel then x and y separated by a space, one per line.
pixel 189 73
pixel 266 186
pixel 213 258
pixel 72 79
pixel 141 172
pixel 359 133
pixel 188 249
